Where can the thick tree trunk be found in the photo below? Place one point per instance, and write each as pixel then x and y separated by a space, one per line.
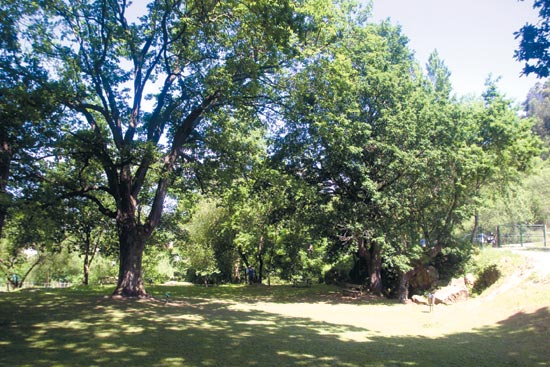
pixel 373 257
pixel 404 280
pixel 130 277
pixel 375 268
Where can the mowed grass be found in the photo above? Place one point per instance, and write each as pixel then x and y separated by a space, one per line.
pixel 274 326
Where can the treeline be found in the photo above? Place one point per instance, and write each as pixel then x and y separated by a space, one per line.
pixel 296 137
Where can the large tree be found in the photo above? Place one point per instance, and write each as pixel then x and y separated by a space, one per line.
pixel 141 84
pixel 25 99
pixel 395 157
pixel 357 132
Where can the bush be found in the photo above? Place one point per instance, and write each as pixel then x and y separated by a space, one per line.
pixel 62 266
pixel 340 272
pixel 452 261
pixel 486 277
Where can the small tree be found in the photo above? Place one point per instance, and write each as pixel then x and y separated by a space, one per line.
pixel 89 233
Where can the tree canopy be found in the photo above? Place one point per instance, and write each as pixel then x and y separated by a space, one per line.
pixel 534 46
pixel 396 159
pixel 195 63
pixel 279 134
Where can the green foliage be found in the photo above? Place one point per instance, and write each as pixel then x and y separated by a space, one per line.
pixel 453 261
pixel 208 249
pixel 439 76
pixel 340 271
pixel 535 42
pixel 63 267
pixel 35 226
pixel 486 277
pixel 489 265
pixel 537 106
pixel 283 135
pixel 103 269
pixel 395 158
pixel 524 201
pixel 158 267
pixel 47 267
pixel 216 69
pixel 27 112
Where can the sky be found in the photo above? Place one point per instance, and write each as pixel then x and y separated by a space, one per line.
pixel 474 38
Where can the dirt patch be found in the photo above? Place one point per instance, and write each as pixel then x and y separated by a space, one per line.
pixel 538 259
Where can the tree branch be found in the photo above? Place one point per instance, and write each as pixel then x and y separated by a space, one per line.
pixel 183 132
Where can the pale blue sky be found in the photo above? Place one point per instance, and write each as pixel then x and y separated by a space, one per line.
pixel 474 38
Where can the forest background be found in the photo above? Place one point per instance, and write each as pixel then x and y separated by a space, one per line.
pixel 204 137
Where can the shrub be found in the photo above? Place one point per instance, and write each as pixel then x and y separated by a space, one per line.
pixel 486 277
pixel 340 272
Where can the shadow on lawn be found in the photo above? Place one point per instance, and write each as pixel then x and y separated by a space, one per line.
pixel 329 294
pixel 57 329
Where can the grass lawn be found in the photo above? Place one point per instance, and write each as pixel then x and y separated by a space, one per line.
pixel 274 326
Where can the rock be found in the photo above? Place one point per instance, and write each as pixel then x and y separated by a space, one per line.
pixel 469 280
pixel 457 282
pixel 420 300
pixel 455 292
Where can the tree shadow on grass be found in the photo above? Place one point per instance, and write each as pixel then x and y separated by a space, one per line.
pixel 283 294
pixel 59 330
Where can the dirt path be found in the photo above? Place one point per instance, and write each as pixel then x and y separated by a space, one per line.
pixel 539 259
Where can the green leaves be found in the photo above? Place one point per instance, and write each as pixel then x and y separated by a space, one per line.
pixel 396 157
pixel 308 122
pixel 535 42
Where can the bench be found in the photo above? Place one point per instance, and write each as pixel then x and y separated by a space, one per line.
pixel 302 283
pixel 352 290
pixel 107 280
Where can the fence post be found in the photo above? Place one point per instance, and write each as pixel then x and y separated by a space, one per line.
pixel 544 233
pixel 498 235
pixel 521 234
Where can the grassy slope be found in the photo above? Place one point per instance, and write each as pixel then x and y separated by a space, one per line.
pixel 509 325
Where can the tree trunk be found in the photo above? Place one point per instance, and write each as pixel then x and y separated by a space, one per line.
pixel 86 279
pixel 5 161
pixel 24 277
pixel 86 269
pixel 130 277
pixel 476 227
pixel 404 280
pixel 261 260
pixel 373 258
pixel 236 272
pixel 243 256
pixel 375 268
